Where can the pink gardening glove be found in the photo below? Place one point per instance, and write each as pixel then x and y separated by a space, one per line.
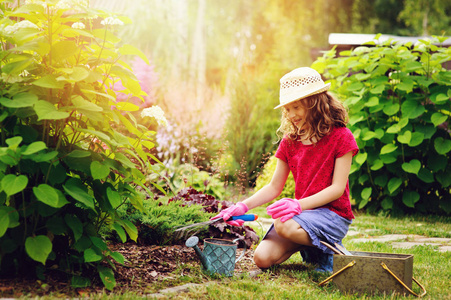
pixel 235 210
pixel 284 209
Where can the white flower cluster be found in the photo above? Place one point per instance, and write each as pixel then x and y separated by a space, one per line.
pixel 78 25
pixel 71 4
pixel 155 112
pixel 10 29
pixel 111 21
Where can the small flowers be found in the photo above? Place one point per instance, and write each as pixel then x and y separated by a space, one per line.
pixel 111 21
pixel 78 25
pixel 71 4
pixel 155 112
pixel 19 25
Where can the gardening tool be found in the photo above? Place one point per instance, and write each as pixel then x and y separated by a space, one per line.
pixel 335 250
pixel 219 255
pixel 343 249
pixel 185 231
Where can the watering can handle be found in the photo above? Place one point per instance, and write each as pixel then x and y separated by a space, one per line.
pixel 244 250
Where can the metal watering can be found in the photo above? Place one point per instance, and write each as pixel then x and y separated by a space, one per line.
pixel 218 256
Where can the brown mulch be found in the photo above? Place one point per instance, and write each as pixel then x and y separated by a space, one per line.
pixel 147 268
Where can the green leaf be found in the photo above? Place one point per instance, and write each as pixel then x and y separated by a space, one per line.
pixel 391 109
pixel 63 50
pixel 107 277
pixel 387 203
pixel 74 74
pixel 409 198
pixel 4 220
pixel 79 281
pixel 117 256
pixel 366 193
pixel 79 153
pixel 373 101
pixel 124 160
pixel 99 170
pixel 442 146
pixel 377 164
pixel 75 225
pixel 439 97
pixel 426 175
pixel 444 179
pixel 378 89
pixel 75 188
pixel 130 228
pixel 394 184
pixel 388 148
pixel 368 135
pixel 120 231
pixel 113 197
pixel 38 248
pixel 83 104
pixel 131 50
pixel 19 100
pixel 34 147
pixel 405 85
pixel 361 157
pixel 126 106
pixel 417 139
pixel 12 184
pixel 14 142
pixel 90 255
pixel 438 118
pixel 49 82
pixel 355 86
pixel 49 195
pixel 47 111
pixel 412 167
pixel 405 137
pixel 412 109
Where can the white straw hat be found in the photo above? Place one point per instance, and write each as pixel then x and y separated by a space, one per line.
pixel 300 83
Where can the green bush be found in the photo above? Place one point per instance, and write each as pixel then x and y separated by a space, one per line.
pixel 399 105
pixel 70 153
pixel 265 177
pixel 157 221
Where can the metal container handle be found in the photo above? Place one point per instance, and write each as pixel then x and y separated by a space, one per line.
pixel 244 250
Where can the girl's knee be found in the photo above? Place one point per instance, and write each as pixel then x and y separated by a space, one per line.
pixel 284 230
pixel 262 259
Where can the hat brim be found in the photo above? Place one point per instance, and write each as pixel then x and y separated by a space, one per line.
pixel 297 96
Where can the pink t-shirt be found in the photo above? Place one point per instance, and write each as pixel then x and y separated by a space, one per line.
pixel 313 165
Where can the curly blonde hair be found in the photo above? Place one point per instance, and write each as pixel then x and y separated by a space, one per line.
pixel 322 112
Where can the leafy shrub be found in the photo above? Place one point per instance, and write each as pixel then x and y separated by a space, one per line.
pixel 66 144
pixel 157 221
pixel 399 105
pixel 266 175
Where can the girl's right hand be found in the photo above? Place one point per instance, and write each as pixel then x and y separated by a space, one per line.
pixel 235 210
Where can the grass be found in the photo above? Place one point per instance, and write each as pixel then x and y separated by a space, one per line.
pixel 295 280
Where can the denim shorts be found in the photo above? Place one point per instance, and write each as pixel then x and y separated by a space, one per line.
pixel 322 224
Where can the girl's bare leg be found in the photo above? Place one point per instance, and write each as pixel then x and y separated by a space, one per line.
pixel 281 243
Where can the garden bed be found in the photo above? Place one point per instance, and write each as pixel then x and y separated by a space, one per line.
pixel 146 270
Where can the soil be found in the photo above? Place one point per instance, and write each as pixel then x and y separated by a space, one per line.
pixel 146 270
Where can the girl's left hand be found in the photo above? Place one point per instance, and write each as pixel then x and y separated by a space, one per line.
pixel 284 209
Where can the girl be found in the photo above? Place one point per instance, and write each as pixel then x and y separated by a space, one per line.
pixel 317 148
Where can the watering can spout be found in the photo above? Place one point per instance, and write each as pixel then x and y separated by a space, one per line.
pixel 192 242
